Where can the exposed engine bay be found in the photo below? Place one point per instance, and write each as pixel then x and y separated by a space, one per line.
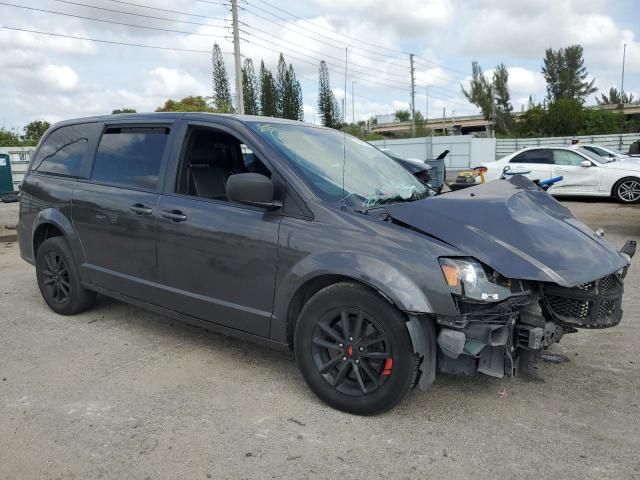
pixel 504 338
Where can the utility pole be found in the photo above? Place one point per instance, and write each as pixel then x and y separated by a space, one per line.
pixel 453 124
pixel 444 120
pixel 426 112
pixel 413 97
pixel 236 55
pixel 624 54
pixel 346 70
pixel 353 103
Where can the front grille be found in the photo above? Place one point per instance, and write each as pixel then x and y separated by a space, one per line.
pixel 595 304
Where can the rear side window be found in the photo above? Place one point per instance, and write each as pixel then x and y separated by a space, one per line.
pixel 63 151
pixel 542 156
pixel 130 157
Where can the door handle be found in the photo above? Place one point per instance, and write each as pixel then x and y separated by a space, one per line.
pixel 140 209
pixel 175 215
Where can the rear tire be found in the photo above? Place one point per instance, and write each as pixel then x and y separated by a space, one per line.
pixel 59 279
pixel 627 190
pixel 354 350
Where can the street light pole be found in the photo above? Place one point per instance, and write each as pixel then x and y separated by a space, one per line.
pixel 624 54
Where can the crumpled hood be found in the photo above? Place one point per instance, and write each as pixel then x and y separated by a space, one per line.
pixel 516 229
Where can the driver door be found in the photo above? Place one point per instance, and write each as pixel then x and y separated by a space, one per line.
pixel 216 258
pixel 576 179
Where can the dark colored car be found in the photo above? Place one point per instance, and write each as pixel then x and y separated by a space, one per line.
pixel 281 233
pixel 430 172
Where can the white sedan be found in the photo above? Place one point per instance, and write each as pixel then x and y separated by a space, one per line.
pixel 583 172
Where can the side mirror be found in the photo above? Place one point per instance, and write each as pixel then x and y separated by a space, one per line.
pixel 252 189
pixel 586 164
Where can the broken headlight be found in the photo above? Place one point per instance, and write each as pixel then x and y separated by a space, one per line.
pixel 471 280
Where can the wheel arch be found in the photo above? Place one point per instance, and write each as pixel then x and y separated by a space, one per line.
pixel 51 223
pixel 619 181
pixel 308 278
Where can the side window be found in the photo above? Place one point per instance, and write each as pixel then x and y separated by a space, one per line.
pixel 130 156
pixel 63 151
pixel 565 157
pixel 540 156
pixel 209 158
pixel 520 158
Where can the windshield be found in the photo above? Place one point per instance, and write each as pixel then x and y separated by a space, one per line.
pixel 593 156
pixel 326 158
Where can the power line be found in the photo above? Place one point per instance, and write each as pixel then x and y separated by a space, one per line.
pixel 317 37
pixel 225 4
pixel 319 59
pixel 354 39
pixel 137 14
pixel 163 9
pixel 316 51
pixel 332 31
pixel 111 21
pixel 111 42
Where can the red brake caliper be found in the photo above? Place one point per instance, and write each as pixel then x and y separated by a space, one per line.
pixel 388 365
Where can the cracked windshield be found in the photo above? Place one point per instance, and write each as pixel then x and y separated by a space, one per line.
pixel 323 158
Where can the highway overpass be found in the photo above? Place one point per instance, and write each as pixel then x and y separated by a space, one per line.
pixel 462 125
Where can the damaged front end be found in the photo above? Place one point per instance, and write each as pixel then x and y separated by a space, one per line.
pixel 501 328
pixel 532 273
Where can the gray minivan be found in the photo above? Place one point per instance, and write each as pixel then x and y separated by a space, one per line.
pixel 304 238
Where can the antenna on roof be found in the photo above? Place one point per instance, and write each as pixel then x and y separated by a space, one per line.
pixel 344 134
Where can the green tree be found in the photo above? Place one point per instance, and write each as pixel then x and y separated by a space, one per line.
pixel 281 86
pixel 299 103
pixel 187 104
pixel 564 117
pixel 566 75
pixel 600 122
pixel 123 110
pixel 328 108
pixel 34 131
pixel 250 88
pixel 268 107
pixel 221 91
pixel 403 115
pixel 502 100
pixel 292 107
pixel 492 97
pixel 480 92
pixel 532 123
pixel 615 97
pixel 9 138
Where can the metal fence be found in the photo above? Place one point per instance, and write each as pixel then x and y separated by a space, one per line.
pixel 620 142
pixel 19 158
pixel 464 150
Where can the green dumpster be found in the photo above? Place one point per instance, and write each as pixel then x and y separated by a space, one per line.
pixel 6 181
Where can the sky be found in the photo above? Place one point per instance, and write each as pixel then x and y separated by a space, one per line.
pixel 55 78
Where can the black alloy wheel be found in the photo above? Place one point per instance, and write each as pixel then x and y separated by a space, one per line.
pixel 352 352
pixel 354 349
pixel 59 279
pixel 56 278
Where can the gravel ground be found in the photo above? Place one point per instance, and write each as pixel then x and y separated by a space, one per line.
pixel 118 393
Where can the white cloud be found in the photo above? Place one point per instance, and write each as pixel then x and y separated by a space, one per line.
pixel 173 83
pixel 58 77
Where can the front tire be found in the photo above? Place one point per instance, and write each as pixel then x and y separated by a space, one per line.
pixel 354 350
pixel 627 190
pixel 59 279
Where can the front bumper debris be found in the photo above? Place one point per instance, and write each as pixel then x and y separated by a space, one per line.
pixel 501 339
